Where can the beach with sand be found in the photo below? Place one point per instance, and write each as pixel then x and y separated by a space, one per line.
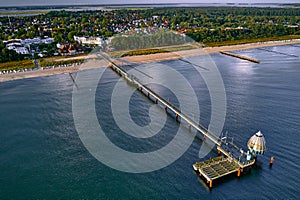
pixel 93 63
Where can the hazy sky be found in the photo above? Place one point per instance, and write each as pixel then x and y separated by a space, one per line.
pixel 78 2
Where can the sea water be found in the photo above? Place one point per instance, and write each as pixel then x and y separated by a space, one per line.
pixel 42 156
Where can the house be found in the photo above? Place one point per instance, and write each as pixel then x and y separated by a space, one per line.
pixel 181 31
pixel 89 40
pixel 63 49
pixel 69 49
pixel 154 17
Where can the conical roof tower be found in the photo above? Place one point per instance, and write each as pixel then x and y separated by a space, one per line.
pixel 257 144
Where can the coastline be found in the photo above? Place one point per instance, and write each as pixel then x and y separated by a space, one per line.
pixel 92 64
pixel 208 50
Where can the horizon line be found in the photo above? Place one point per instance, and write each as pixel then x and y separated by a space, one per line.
pixel 132 4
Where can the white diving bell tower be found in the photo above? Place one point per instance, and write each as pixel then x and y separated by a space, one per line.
pixel 257 145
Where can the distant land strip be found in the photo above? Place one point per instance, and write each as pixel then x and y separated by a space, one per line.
pixel 143 58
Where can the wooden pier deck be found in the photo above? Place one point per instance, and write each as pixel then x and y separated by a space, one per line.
pixel 220 166
pixel 215 168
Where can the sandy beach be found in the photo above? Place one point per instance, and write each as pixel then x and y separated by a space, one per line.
pixel 90 64
pixel 194 52
pixel 139 59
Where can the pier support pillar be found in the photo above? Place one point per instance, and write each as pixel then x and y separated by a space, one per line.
pixel 271 161
pixel 219 152
pixel 176 117
pixel 204 136
pixel 141 88
pixel 239 173
pixel 156 101
pixel 210 184
pixel 148 95
pixel 189 126
pixel 166 108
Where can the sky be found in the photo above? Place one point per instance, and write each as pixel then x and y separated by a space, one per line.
pixel 4 3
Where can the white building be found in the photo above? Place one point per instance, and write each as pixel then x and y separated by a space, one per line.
pixel 21 50
pixel 38 40
pixel 17 46
pixel 154 17
pixel 29 41
pixel 21 46
pixel 13 42
pixel 89 40
pixel 48 40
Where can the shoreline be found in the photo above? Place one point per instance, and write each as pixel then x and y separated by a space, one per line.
pixel 206 50
pixel 142 59
pixel 91 64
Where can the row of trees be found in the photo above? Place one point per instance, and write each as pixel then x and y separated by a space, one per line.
pixel 254 31
pixel 46 63
pixel 141 41
pixel 17 65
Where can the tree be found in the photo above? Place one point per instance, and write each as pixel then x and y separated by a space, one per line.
pixel 58 38
pixel 71 36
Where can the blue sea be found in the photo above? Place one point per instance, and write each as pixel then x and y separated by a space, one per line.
pixel 42 156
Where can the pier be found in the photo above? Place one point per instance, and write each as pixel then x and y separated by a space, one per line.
pixel 218 167
pixel 240 56
pixel 158 99
pixel 234 159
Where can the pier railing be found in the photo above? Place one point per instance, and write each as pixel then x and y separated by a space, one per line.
pixel 158 99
